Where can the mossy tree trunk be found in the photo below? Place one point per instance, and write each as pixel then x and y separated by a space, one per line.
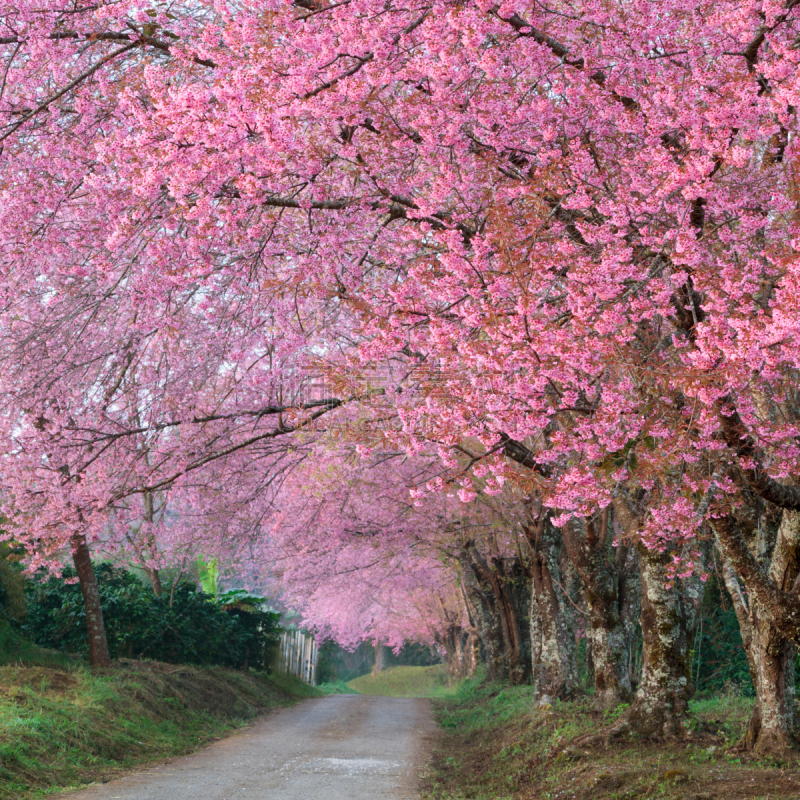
pixel 774 727
pixel 382 658
pixel 95 625
pixel 149 517
pixel 610 577
pixel 496 594
pixel 462 650
pixel 553 655
pixel 670 611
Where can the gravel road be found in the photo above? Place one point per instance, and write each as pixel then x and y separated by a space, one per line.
pixel 342 747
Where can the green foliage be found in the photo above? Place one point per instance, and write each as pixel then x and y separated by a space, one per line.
pixel 187 627
pixel 415 655
pixel 241 599
pixel 208 572
pixel 498 743
pixel 478 705
pixel 12 586
pixel 336 687
pixel 296 687
pixel 335 664
pixel 719 658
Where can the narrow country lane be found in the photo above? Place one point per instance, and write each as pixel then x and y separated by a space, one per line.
pixel 343 747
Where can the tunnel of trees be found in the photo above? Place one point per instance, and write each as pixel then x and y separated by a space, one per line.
pixel 473 325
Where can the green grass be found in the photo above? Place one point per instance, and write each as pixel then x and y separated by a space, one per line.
pixel 15 649
pixel 293 686
pixel 406 682
pixel 336 687
pixel 496 744
pixel 63 728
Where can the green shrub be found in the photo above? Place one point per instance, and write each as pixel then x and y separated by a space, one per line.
pixel 12 586
pixel 187 628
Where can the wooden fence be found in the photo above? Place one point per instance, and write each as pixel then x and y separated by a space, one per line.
pixel 298 656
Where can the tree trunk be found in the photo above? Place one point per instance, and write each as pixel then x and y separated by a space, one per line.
pixel 456 663
pixel 668 619
pixel 149 517
pixel 774 727
pixel 155 580
pixel 512 586
pixel 610 644
pixel 382 656
pixel 461 643
pixel 486 626
pixel 96 629
pixel 449 641
pixel 553 657
pixel 496 593
pixel 472 654
pixel 670 612
pixel 461 651
pixel 610 576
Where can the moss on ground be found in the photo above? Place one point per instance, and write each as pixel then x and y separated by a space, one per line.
pixel 496 745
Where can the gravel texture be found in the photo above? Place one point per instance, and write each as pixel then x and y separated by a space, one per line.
pixel 342 747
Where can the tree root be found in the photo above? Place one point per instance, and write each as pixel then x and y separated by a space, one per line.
pixel 762 742
pixel 645 721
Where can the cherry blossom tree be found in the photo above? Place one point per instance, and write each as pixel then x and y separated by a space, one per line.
pixel 353 554
pixel 563 233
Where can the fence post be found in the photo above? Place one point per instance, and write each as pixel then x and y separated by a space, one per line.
pixel 298 656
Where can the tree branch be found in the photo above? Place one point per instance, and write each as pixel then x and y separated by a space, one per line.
pixel 71 85
pixel 739 440
pixel 784 608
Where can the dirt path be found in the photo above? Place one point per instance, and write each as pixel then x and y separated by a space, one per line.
pixel 343 747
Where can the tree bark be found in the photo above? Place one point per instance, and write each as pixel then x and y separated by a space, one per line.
pixel 774 727
pixel 486 625
pixel 382 657
pixel 462 651
pixel 496 592
pixel 155 580
pixel 610 576
pixel 448 641
pixel 670 612
pixel 668 619
pixel 149 517
pixel 95 626
pixel 782 604
pixel 472 653
pixel 553 657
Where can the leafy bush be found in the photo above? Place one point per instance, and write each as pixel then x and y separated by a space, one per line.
pixel 12 586
pixel 189 628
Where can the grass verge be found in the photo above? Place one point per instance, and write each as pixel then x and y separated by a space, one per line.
pixel 66 727
pixel 495 745
pixel 336 687
pixel 15 649
pixel 406 682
